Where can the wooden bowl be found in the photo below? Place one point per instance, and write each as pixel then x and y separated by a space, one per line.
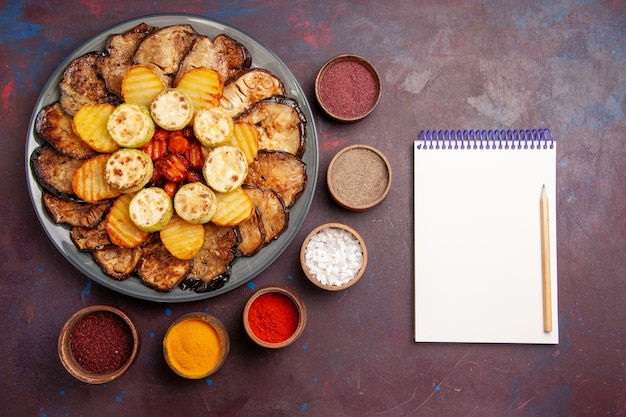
pixel 340 98
pixel 359 177
pixel 311 276
pixel 177 338
pixel 68 358
pixel 292 298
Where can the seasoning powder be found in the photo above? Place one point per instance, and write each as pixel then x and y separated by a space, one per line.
pixel 193 347
pixel 273 317
pixel 359 177
pixel 101 342
pixel 348 89
pixel 334 256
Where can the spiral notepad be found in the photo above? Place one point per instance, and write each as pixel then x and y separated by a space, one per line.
pixel 478 236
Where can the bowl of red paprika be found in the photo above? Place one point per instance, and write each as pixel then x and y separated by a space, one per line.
pixel 98 344
pixel 347 88
pixel 274 317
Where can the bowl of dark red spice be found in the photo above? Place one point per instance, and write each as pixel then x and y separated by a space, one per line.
pixel 359 177
pixel 347 88
pixel 98 344
pixel 333 256
pixel 274 317
pixel 196 345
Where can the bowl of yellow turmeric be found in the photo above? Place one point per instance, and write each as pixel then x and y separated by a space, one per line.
pixel 196 345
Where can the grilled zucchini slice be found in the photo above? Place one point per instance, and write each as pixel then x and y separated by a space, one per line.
pixel 213 126
pixel 130 125
pixel 151 209
pixel 128 170
pixel 225 168
pixel 172 109
pixel 195 202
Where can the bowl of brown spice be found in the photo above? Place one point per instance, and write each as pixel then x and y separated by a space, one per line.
pixel 98 344
pixel 347 88
pixel 359 177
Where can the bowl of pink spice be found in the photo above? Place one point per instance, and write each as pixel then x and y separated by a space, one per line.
pixel 347 88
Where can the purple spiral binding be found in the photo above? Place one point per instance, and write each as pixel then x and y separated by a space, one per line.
pixel 486 139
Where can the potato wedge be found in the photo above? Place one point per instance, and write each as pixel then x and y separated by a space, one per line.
pixel 232 208
pixel 141 85
pixel 246 138
pixel 88 181
pixel 120 228
pixel 90 124
pixel 203 85
pixel 181 238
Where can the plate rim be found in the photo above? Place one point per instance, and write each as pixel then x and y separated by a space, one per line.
pixel 83 261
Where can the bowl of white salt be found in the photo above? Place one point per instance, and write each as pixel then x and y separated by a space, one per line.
pixel 333 256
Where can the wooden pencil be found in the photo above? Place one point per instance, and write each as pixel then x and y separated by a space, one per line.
pixel 545 261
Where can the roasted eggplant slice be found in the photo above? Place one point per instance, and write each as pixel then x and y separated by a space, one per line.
pixel 212 264
pixel 90 238
pixel 280 171
pixel 165 47
pixel 159 269
pixel 223 54
pixel 248 88
pixel 274 214
pixel 251 235
pixel 74 213
pixel 282 124
pixel 54 171
pixel 82 85
pixel 118 263
pixel 55 126
pixel 118 56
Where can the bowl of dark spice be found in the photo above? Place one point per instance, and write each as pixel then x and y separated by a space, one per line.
pixel 333 256
pixel 359 177
pixel 347 88
pixel 274 317
pixel 98 344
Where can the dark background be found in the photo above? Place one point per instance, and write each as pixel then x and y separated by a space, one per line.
pixel 443 64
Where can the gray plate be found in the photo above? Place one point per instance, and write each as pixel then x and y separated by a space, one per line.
pixel 244 269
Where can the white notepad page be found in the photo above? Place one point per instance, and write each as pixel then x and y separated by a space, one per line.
pixel 478 275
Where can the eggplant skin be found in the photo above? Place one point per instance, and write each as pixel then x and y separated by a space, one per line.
pixel 273 213
pixel 55 126
pixel 280 171
pixel 117 262
pixel 223 54
pixel 281 123
pixel 75 213
pixel 248 88
pixel 159 269
pixel 82 85
pixel 54 171
pixel 165 47
pixel 212 264
pixel 118 56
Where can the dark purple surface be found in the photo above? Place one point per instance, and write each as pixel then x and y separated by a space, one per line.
pixel 443 64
